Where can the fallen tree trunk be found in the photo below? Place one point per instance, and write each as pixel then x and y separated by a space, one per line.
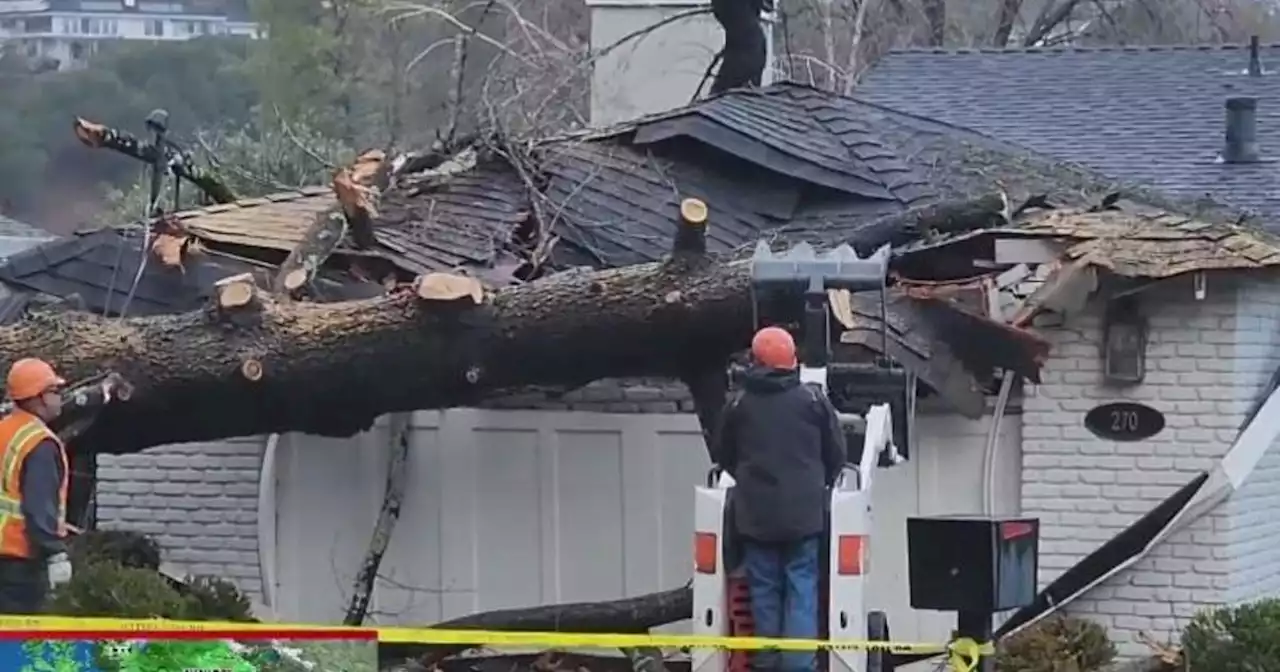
pixel 248 365
pixel 626 616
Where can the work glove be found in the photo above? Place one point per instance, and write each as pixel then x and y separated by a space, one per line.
pixel 59 570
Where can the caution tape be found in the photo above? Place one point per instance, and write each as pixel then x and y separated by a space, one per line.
pixel 963 652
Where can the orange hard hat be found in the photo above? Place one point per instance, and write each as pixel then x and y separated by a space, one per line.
pixel 31 377
pixel 773 347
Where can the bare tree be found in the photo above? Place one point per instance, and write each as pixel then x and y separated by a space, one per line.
pixel 830 43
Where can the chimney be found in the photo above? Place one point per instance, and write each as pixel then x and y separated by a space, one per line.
pixel 660 68
pixel 1242 130
pixel 1255 59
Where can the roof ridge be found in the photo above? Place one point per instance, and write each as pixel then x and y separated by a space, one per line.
pixel 1104 48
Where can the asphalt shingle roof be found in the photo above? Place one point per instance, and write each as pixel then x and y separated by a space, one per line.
pixel 1151 115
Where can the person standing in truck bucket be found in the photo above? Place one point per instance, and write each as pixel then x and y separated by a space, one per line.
pixel 781 442
pixel 33 501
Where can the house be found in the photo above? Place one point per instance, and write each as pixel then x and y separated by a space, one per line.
pixel 69 31
pixel 1158 117
pixel 540 498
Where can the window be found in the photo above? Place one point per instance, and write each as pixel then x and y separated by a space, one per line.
pixel 42 24
pixel 155 28
pixel 84 26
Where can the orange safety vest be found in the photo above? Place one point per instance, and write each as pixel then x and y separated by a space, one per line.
pixel 20 433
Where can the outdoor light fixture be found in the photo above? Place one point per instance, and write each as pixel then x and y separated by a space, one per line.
pixel 1124 343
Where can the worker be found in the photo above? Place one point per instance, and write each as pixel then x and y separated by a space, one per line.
pixel 33 504
pixel 781 442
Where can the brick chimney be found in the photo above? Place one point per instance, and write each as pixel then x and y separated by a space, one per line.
pixel 659 70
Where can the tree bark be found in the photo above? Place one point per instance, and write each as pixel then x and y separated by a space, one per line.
pixel 630 615
pixel 248 365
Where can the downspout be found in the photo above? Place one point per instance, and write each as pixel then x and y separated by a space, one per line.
pixel 993 444
pixel 267 523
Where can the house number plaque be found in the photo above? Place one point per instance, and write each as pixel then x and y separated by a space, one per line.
pixel 1124 421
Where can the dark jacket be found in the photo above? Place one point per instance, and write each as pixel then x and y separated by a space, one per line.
pixel 41 480
pixel 782 443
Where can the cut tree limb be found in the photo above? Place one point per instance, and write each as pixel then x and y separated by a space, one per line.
pixel 357 188
pixel 99 136
pixel 630 615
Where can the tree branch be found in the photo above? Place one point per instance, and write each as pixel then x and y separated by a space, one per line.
pixel 630 615
pixel 99 136
pixel 388 515
pixel 358 188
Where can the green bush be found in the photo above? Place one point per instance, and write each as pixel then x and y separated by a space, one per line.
pixel 1057 644
pixel 213 599
pixel 1234 639
pixel 116 574
pixel 123 547
pixel 110 589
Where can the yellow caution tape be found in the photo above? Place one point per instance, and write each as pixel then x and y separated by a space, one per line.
pixel 966 651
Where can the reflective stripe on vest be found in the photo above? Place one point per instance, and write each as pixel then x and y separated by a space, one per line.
pixel 30 431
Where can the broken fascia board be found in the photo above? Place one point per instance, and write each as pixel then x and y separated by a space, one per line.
pixel 1025 250
pixel 1066 290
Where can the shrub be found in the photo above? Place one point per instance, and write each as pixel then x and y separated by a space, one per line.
pixel 123 547
pixel 1234 639
pixel 213 599
pixel 1057 644
pixel 116 574
pixel 110 589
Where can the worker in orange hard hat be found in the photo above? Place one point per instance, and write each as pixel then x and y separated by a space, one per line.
pixel 33 494
pixel 782 443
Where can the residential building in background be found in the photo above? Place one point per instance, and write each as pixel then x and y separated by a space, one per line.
pixel 68 32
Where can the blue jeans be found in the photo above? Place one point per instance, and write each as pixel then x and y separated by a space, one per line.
pixel 783 582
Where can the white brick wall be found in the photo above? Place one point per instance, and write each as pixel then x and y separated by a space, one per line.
pixel 199 500
pixel 1251 525
pixel 1206 362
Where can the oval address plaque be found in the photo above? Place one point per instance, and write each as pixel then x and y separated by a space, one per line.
pixel 1124 421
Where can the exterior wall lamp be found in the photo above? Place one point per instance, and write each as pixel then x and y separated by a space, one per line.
pixel 1124 343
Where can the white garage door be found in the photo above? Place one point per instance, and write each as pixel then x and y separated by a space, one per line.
pixel 522 508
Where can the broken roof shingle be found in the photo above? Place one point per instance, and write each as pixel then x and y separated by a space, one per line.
pixel 459 222
pixel 1150 115
pixel 100 268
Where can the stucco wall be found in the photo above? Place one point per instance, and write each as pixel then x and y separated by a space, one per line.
pixel 1206 362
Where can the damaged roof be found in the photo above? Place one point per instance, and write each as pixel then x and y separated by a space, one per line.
pixel 100 267
pixel 786 160
pixel 1149 115
pixel 465 222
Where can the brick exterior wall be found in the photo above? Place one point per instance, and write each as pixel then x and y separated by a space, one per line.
pixel 1206 363
pixel 199 501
